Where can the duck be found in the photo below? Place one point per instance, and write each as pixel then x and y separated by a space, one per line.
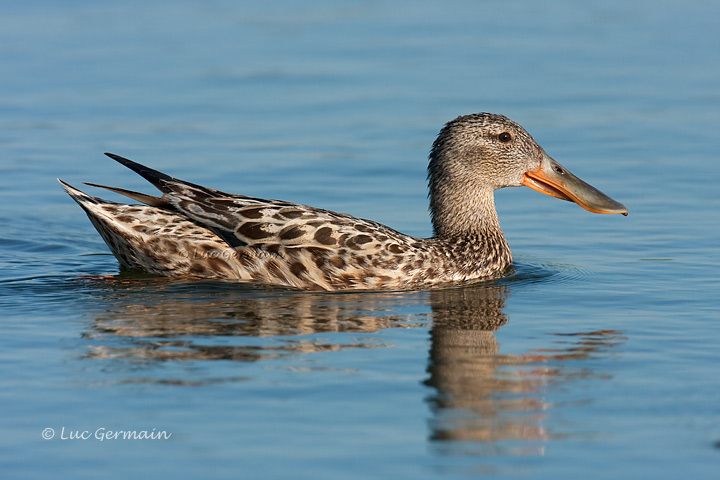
pixel 196 231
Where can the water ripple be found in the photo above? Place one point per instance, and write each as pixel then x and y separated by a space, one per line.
pixel 533 273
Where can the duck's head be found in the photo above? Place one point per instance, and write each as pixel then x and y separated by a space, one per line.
pixel 476 154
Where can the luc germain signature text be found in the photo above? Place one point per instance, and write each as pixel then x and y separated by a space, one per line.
pixel 103 434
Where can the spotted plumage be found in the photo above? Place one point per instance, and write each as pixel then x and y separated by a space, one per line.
pixel 201 232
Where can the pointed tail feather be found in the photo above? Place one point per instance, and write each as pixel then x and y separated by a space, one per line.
pixel 155 177
pixel 140 197
pixel 78 195
pixel 164 183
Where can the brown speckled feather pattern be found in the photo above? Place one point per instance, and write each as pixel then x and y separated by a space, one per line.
pixel 212 234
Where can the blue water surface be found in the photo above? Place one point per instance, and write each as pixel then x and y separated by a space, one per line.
pixel 597 358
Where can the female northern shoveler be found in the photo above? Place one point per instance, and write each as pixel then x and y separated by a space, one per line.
pixel 197 231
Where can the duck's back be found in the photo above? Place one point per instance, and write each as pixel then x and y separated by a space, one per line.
pixel 210 234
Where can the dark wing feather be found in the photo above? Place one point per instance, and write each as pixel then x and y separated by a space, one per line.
pixel 254 222
pixel 243 221
pixel 153 176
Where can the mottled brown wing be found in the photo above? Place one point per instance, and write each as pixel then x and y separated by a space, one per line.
pixel 252 222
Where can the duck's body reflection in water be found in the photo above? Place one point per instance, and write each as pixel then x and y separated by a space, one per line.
pixel 477 395
pixel 174 321
pixel 463 365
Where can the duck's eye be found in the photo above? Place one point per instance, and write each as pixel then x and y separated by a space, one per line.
pixel 504 137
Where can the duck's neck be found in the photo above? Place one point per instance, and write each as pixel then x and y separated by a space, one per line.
pixel 462 213
pixel 462 205
pixel 468 224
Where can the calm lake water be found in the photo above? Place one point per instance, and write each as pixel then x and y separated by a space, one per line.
pixel 598 358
